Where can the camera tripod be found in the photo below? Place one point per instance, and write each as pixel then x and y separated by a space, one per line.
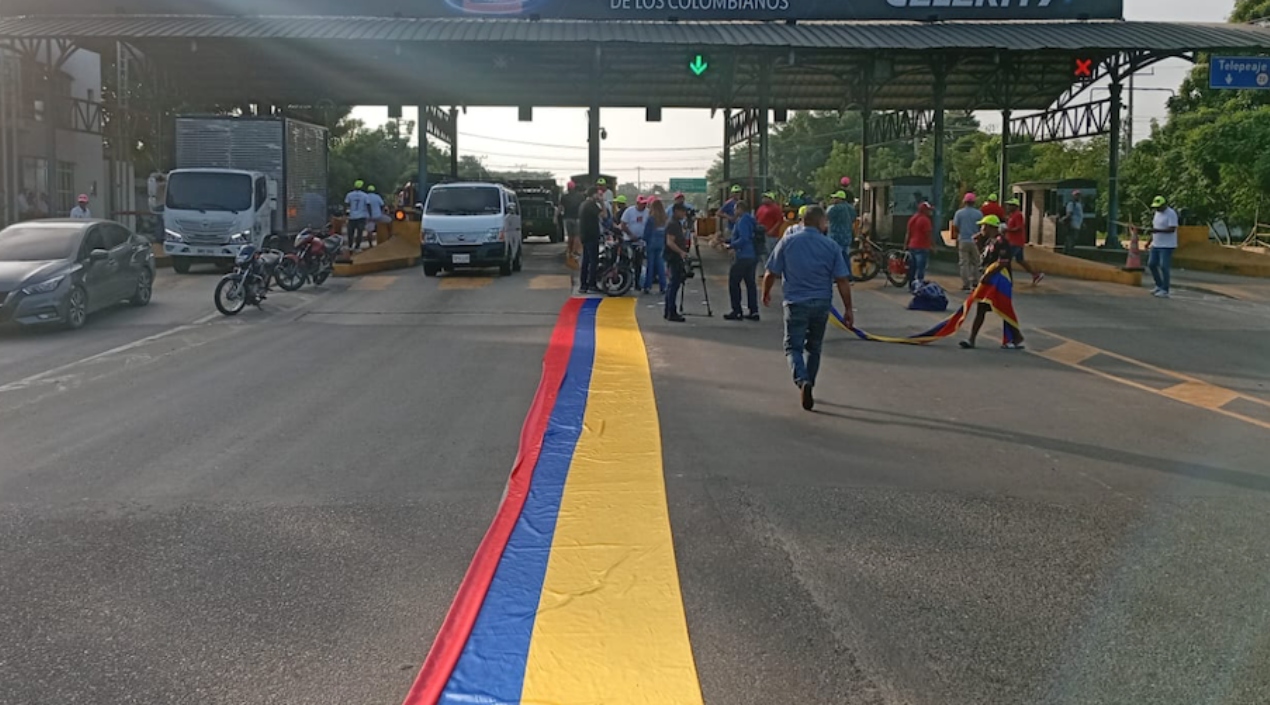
pixel 692 265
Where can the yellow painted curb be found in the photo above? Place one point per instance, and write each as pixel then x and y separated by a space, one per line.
pixel 1207 257
pixel 1055 264
pixel 357 269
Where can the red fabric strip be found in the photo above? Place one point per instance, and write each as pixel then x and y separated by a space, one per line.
pixel 453 636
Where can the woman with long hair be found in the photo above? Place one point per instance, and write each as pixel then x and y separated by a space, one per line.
pixel 655 241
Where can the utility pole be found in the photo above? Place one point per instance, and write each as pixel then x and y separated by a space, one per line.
pixel 639 178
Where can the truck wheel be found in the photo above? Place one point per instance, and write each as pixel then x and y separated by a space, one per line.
pixel 505 269
pixel 180 265
pixel 431 270
pixel 517 264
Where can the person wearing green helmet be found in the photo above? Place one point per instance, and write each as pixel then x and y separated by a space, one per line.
pixel 355 208
pixel 1164 226
pixel 842 217
pixel 998 257
pixel 727 212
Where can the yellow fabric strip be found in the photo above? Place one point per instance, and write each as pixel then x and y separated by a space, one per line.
pixel 611 628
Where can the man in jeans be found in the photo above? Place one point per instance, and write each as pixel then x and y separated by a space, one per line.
pixel 1163 243
pixel 810 264
pixel 589 229
pixel 745 259
pixel 965 227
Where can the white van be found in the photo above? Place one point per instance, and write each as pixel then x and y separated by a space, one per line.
pixel 471 225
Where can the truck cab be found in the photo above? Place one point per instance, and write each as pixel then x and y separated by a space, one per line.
pixel 210 214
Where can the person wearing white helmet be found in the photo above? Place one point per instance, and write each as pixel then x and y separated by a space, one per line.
pixel 80 211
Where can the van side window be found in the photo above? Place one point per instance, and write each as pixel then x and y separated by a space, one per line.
pixel 513 206
pixel 262 192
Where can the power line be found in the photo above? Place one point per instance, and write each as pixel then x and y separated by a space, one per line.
pixel 549 157
pixel 716 148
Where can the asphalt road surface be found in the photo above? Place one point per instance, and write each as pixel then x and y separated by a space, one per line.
pixel 279 507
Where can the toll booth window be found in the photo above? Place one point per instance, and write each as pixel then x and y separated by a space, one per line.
pixel 465 200
pixel 906 199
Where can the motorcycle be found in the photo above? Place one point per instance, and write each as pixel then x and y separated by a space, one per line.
pixel 617 266
pixel 313 259
pixel 248 283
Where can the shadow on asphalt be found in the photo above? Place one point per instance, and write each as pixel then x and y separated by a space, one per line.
pixel 1194 471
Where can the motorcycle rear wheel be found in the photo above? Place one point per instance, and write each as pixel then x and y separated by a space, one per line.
pixel 289 275
pixel 231 296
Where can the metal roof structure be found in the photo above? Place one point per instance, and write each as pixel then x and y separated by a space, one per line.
pixel 474 61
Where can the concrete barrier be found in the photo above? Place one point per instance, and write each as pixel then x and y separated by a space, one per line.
pixel 1053 263
pixel 395 253
pixel 1207 257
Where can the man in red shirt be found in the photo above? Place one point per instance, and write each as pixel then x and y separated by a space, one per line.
pixel 770 216
pixel 1016 233
pixel 993 207
pixel 919 243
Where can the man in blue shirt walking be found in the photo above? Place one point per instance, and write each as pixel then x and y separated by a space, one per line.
pixel 810 265
pixel 745 260
pixel 842 221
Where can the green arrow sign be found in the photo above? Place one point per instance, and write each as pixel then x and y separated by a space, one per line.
pixel 698 65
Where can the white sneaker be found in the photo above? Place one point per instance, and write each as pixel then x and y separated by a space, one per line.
pixel 1161 294
pixel 1156 291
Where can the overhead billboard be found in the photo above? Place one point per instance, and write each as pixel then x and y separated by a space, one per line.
pixel 707 10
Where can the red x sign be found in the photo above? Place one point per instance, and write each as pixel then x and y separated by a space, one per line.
pixel 1084 68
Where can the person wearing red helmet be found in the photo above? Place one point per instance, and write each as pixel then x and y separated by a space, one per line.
pixel 919 241
pixel 80 211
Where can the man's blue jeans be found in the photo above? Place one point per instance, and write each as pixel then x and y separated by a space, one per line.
pixel 921 258
pixel 1160 262
pixel 805 325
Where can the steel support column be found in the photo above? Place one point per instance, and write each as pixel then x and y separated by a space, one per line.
pixel 421 184
pixel 593 140
pixel 50 125
pixel 937 185
pixel 454 143
pixel 1113 166
pixel 764 125
pixel 866 136
pixel 727 145
pixel 1003 188
pixel 593 116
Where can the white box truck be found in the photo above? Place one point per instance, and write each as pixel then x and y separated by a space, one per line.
pixel 238 181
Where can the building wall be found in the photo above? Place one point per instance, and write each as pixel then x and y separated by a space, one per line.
pixel 28 140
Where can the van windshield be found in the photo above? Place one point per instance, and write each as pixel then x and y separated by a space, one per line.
pixel 209 191
pixel 464 200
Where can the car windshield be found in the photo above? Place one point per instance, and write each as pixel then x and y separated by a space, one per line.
pixel 464 200
pixel 209 191
pixel 28 243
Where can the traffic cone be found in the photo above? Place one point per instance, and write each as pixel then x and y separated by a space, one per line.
pixel 1133 261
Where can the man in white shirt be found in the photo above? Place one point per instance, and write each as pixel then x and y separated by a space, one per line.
pixel 634 220
pixel 355 205
pixel 80 211
pixel 1163 242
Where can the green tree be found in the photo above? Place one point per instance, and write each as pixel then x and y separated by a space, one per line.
pixel 383 156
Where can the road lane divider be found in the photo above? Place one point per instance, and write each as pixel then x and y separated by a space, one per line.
pixel 573 597
pixel 1183 387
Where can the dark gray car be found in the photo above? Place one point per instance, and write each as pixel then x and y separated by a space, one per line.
pixel 59 271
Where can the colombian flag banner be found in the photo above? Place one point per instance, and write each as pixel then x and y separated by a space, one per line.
pixel 996 289
pixel 573 597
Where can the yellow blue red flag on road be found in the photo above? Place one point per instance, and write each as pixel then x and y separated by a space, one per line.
pixel 996 289
pixel 573 597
